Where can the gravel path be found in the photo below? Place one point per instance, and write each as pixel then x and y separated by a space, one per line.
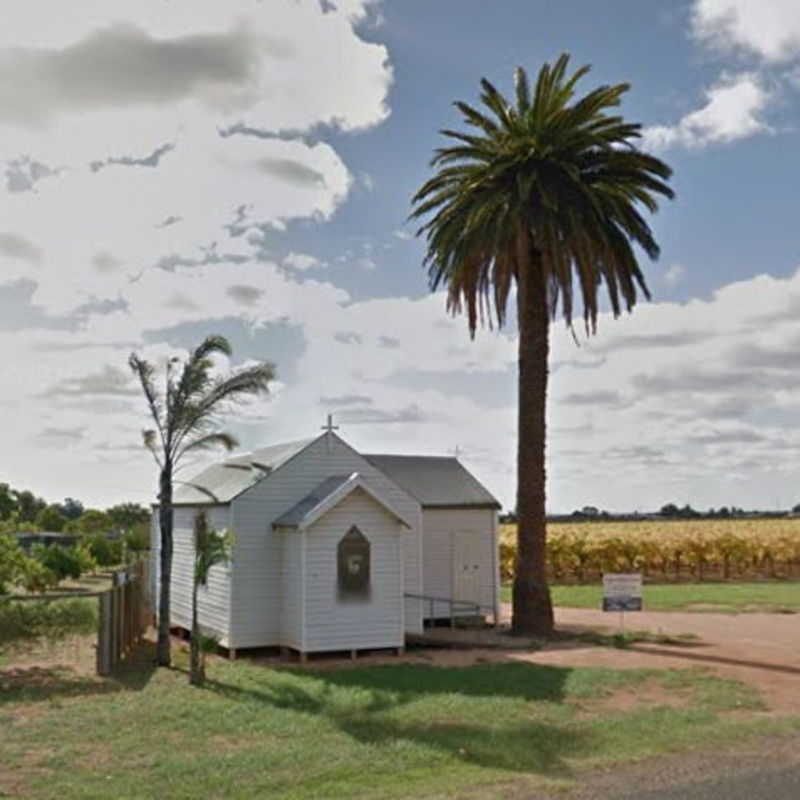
pixel 760 649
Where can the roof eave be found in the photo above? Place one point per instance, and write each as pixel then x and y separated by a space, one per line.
pixel 340 494
pixel 473 506
pixel 193 504
pixel 355 481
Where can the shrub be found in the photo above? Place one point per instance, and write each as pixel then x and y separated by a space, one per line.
pixel 87 561
pixel 106 552
pixel 63 562
pixel 50 619
pixel 19 569
pixel 36 577
pixel 12 563
pixel 137 540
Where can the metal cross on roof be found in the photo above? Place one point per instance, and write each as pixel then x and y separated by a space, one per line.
pixel 329 426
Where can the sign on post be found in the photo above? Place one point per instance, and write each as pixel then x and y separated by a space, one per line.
pixel 622 591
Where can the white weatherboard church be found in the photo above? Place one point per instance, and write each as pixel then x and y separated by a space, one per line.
pixel 334 549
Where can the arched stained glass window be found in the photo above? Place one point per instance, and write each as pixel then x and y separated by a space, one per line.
pixel 353 557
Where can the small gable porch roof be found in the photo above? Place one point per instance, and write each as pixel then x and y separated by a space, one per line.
pixel 327 496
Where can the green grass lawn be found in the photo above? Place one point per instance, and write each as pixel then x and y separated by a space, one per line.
pixel 392 731
pixel 772 596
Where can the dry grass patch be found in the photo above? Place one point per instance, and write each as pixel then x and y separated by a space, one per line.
pixel 646 695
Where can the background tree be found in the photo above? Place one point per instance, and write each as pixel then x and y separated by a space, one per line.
pixel 94 521
pixel 15 525
pixel 210 549
pixel 126 516
pixel 103 551
pixel 28 505
pixel 71 508
pixel 51 519
pixel 542 194
pixel 186 416
pixel 8 503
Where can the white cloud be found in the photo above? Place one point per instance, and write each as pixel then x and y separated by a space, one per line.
pixel 732 111
pixel 674 399
pixel 167 67
pixel 674 274
pixel 302 262
pixel 170 150
pixel 117 214
pixel 146 152
pixel 769 28
pixel 690 402
pixel 706 385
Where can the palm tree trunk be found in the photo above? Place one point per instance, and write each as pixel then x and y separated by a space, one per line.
pixel 165 519
pixel 532 607
pixel 195 667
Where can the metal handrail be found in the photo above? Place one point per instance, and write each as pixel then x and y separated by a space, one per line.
pixel 432 599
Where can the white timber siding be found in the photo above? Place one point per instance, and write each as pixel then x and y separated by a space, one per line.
pixel 213 601
pixel 293 582
pixel 257 580
pixel 374 621
pixel 441 527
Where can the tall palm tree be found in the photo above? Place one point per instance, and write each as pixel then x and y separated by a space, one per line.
pixel 543 193
pixel 186 417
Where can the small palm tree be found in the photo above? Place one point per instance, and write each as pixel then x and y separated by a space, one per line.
pixel 186 416
pixel 210 548
pixel 543 194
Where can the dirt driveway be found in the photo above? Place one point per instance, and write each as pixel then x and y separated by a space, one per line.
pixel 762 650
pixel 759 649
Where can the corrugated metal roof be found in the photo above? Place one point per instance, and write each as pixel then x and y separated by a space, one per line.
pixel 294 516
pixel 436 481
pixel 220 483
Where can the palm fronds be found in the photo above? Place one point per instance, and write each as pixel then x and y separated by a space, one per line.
pixel 187 413
pixel 565 171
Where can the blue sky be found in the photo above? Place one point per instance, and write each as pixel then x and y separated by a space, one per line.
pixel 175 169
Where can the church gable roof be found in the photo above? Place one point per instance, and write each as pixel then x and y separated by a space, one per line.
pixel 435 481
pixel 327 496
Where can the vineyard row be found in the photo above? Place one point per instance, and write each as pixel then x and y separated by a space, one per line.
pixel 704 551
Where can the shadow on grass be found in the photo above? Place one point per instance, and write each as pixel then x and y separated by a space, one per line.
pixel 361 703
pixel 528 747
pixel 404 683
pixel 37 682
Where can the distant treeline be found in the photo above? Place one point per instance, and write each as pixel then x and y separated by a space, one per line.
pixel 23 511
pixel 668 511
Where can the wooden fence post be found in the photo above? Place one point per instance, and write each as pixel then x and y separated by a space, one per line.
pixel 104 634
pixel 123 613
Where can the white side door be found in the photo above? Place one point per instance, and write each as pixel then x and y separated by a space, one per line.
pixel 468 567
